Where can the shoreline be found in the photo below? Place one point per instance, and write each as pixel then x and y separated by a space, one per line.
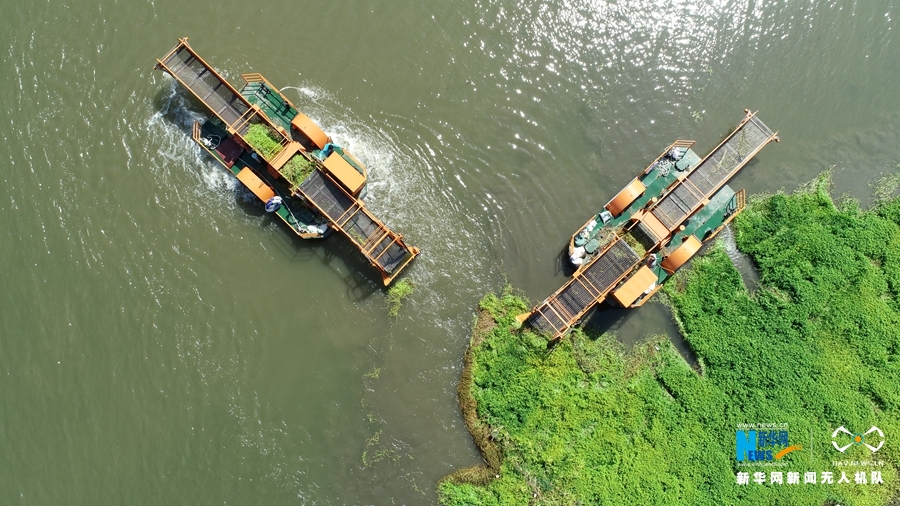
pixel 491 454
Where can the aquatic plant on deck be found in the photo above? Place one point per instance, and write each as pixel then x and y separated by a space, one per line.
pixel 263 139
pixel 297 169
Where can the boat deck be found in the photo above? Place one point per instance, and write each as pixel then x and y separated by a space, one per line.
pixel 659 176
pixel 294 213
pixel 708 219
pixel 656 181
pixel 271 102
pixel 704 225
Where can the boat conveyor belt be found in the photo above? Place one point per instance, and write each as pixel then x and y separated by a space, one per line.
pixel 206 84
pixel 382 246
pixel 712 172
pixel 589 286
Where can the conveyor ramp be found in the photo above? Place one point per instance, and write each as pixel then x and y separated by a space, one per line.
pixel 383 247
pixel 713 172
pixel 563 309
pixel 206 84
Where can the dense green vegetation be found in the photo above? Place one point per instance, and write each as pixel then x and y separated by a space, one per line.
pixel 263 139
pixel 815 346
pixel 297 169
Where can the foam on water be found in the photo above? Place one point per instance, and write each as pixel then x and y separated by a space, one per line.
pixel 741 260
pixel 171 125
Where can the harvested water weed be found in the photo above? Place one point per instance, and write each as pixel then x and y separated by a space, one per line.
pixel 297 169
pixel 885 187
pixel 263 139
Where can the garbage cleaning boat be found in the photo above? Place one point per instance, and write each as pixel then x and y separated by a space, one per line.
pixel 285 159
pixel 652 227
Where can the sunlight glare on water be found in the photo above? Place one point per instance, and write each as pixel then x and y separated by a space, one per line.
pixel 164 341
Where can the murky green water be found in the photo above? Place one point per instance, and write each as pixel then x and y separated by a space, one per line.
pixel 162 341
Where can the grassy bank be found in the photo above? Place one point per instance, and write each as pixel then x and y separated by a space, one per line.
pixel 816 347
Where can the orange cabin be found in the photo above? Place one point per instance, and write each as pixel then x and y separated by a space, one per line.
pixel 626 197
pixel 682 254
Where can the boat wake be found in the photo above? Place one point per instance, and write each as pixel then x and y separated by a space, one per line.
pixel 171 126
pixel 408 183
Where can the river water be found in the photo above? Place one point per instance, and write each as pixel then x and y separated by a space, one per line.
pixel 162 341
